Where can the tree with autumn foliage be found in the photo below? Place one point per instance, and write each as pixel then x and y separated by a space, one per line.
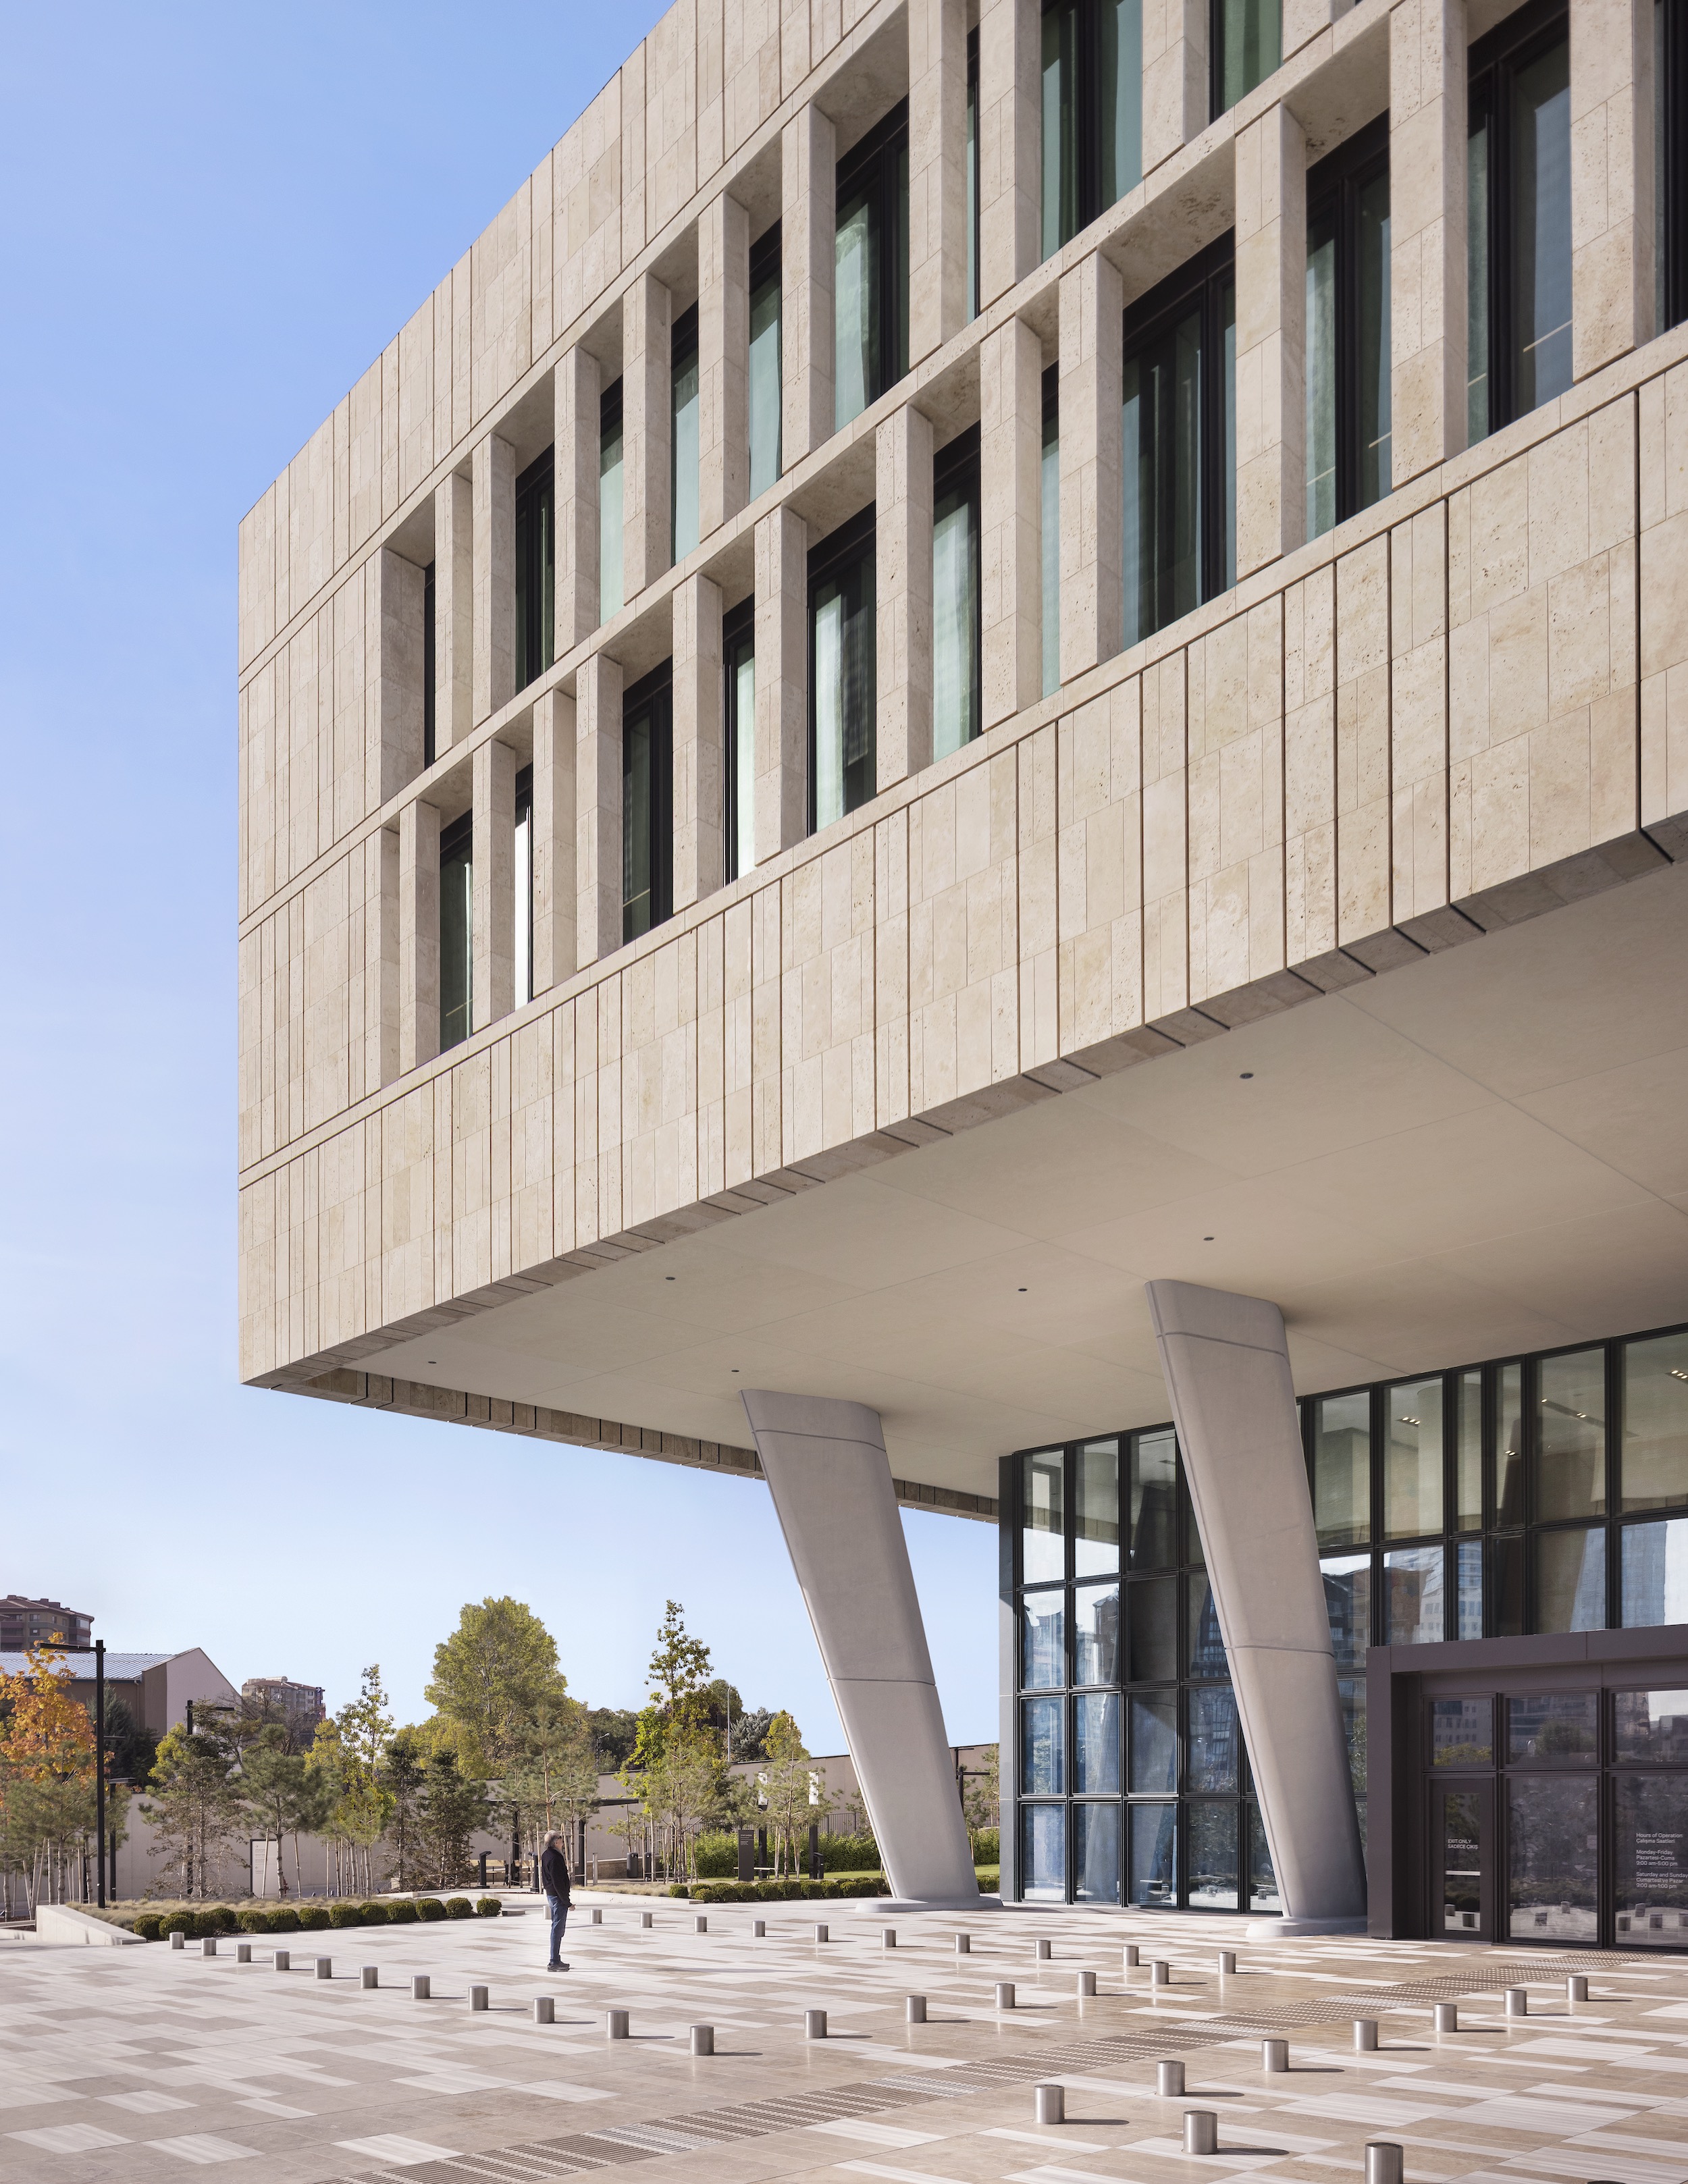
pixel 47 1804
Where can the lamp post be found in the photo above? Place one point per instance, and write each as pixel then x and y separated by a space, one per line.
pixel 99 1759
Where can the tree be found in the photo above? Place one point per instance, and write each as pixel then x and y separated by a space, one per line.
pixel 449 1810
pixel 554 1781
pixel 490 1678
pixel 615 1731
pixel 792 1792
pixel 281 1792
pixel 407 1766
pixel 363 1729
pixel 195 1808
pixel 48 1767
pixel 679 1672
pixel 981 1797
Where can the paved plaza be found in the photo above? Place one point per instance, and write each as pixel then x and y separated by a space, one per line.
pixel 139 2062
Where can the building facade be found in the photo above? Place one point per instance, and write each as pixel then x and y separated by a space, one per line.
pixel 24 1623
pixel 988 670
pixel 299 1705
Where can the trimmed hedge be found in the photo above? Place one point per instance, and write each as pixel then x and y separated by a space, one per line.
pixel 401 1914
pixel 317 1918
pixel 785 1891
pixel 459 1907
pixel 489 1907
pixel 197 1921
pixel 429 1907
pixel 149 1926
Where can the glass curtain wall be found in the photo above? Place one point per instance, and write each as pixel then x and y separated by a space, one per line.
pixel 1092 71
pixel 739 656
pixel 647 802
pixel 765 383
pixel 1049 529
pixel 429 667
pixel 1670 124
pixel 1246 38
pixel 870 268
pixel 536 569
pixel 610 509
pixel 524 886
pixel 957 658
pixel 1348 329
pixel 684 414
pixel 1179 444
pixel 456 931
pixel 1518 219
pixel 842 688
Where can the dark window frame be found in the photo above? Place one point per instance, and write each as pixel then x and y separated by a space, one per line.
pixel 852 545
pixel 652 694
pixel 737 633
pixel 536 568
pixel 877 166
pixel 1090 78
pixel 1217 103
pixel 956 468
pixel 683 350
pixel 1671 111
pixel 1335 187
pixel 429 668
pixel 767 265
pixel 975 262
pixel 524 810
pixel 458 836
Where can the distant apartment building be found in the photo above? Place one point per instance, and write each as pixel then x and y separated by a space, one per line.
pixel 300 1705
pixel 24 1623
pixel 156 1688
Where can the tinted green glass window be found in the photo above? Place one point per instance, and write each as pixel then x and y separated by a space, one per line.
pixel 647 805
pixel 686 416
pixel 610 510
pixel 841 673
pixel 1247 47
pixel 956 632
pixel 456 932
pixel 1049 520
pixel 536 592
pixel 765 387
pixel 1092 65
pixel 870 268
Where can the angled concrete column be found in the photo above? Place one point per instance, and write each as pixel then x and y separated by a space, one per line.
pixel 781 800
pixel 647 433
pixel 697 740
pixel 938 177
pixel 1010 478
pixel 555 894
pixel 1010 144
pixel 808 221
pixel 902 609
pixel 418 935
pixel 1612 235
pixel 598 807
pixel 1228 1376
pixel 1427 255
pixel 492 924
pixel 453 611
pixel 1272 315
pixel 577 389
pixel 826 1469
pixel 494 489
pixel 1092 549
pixel 723 362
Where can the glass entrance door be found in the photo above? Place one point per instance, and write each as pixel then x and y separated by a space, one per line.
pixel 1463 1836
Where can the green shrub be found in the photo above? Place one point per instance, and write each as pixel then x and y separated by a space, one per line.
pixel 400 1914
pixel 315 1917
pixel 253 1918
pixel 284 1919
pixel 345 1915
pixel 149 1926
pixel 429 1907
pixel 459 1907
pixel 988 1847
pixel 489 1907
pixel 374 1913
pixel 215 1919
pixel 716 1857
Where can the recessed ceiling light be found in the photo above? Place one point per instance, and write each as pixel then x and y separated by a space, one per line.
pixel 1022 1292
pixel 668 1278
pixel 1207 1240
pixel 1247 1073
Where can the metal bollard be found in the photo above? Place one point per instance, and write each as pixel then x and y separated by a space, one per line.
pixel 701 1924
pixel 1169 2080
pixel 1160 1972
pixel 325 1968
pixel 1048 2104
pixel 614 2025
pixel 544 2009
pixel 1365 2036
pixel 178 1940
pixel 1228 1962
pixel 597 1918
pixel 1448 2017
pixel 243 1952
pixel 1131 1956
pixel 421 1988
pixel 1384 2161
pixel 888 1937
pixel 703 2040
pixel 647 1918
pixel 283 1960
pixel 1274 2055
pixel 1576 1987
pixel 1043 1951
pixel 759 1928
pixel 1087 1983
pixel 1004 1994
pixel 964 1945
pixel 814 2023
pixel 207 1947
pixel 372 1976
pixel 1200 2131
pixel 914 2009
pixel 477 1997
pixel 823 1934
pixel 1517 2002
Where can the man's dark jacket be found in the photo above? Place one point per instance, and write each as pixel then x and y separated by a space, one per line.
pixel 553 1873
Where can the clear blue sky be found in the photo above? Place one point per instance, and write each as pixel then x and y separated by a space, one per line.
pixel 213 217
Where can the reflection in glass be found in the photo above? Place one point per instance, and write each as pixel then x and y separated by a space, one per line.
pixel 870 265
pixel 1095 1516
pixel 1477 403
pixel 686 415
pixel 1655 1573
pixel 1249 37
pixel 1468 1558
pixel 1570 1470
pixel 1506 1575
pixel 524 886
pixel 956 629
pixel 1461 1862
pixel 1154 1855
pixel 1509 1446
pixel 1153 1610
pixel 1095 1633
pixel 1096 1758
pixel 1212 1858
pixel 1348 1604
pixel 647 809
pixel 1095 1854
pixel 1153 1500
pixel 1570 1579
pixel 1119 73
pixel 1654 1447
pixel 842 687
pixel 1043 1496
pixel 1263 1877
pixel 1414 1598
pixel 1060 67
pixel 536 570
pixel 971 164
pixel 1213 1761
pixel 763 389
pixel 1204 1653
pixel 1412 1460
pixel 1462 1732
pixel 856 293
pixel 1154 1743
pixel 1375 469
pixel 1541 229
pixel 1163 459
pixel 1469 1454
pixel 1650 1883
pixel 1351 1693
pixel 456 932
pixel 1561 1726
pixel 1652 1725
pixel 1342 1470
pixel 1049 543
pixel 1321 374
pixel 609 600
pixel 1042 1656
pixel 1552 1866
pixel 1043 1748
pixel 739 647
pixel 1043 1852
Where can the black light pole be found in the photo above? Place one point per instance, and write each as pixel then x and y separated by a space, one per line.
pixel 99 1757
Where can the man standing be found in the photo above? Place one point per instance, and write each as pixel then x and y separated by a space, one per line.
pixel 554 1879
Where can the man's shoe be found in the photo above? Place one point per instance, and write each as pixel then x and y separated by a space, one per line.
pixel 556 1968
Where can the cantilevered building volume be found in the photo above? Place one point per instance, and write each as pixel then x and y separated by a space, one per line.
pixel 966 781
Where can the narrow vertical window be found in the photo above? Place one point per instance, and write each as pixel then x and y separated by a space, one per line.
pixel 1049 529
pixel 1347 331
pixel 1247 38
pixel 972 175
pixel 765 388
pixel 536 564
pixel 1518 214
pixel 1092 112
pixel 841 672
pixel 684 414
pixel 870 270
pixel 739 658
pixel 610 503
pixel 647 802
pixel 524 886
pixel 957 667
pixel 1670 140
pixel 1179 400
pixel 429 666
pixel 456 931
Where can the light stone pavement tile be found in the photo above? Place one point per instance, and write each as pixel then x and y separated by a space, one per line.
pixel 69 2137
pixel 203 2148
pixel 144 2103
pixel 876 2134
pixel 391 2148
